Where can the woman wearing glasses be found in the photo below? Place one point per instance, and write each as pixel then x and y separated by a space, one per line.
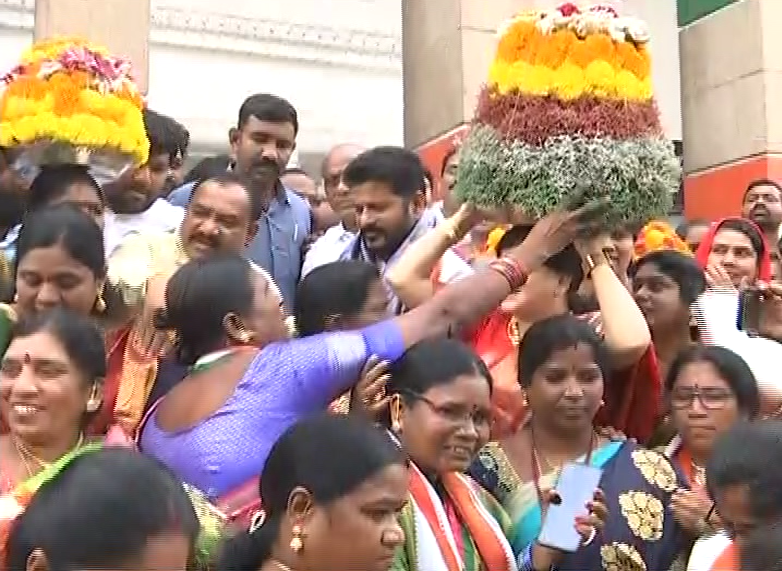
pixel 440 413
pixel 710 389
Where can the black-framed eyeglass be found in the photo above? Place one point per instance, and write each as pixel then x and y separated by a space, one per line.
pixel 711 398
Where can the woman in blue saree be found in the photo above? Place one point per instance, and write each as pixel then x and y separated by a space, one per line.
pixel 562 367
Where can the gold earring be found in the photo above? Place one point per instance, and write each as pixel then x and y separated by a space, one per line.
pixel 395 426
pixel 296 542
pixel 602 403
pixel 16 298
pixel 93 404
pixel 524 400
pixel 245 336
pixel 100 303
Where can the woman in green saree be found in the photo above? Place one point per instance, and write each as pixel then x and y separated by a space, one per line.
pixel 50 385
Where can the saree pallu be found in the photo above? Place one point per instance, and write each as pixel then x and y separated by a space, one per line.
pixel 640 534
pixel 210 519
pixel 461 528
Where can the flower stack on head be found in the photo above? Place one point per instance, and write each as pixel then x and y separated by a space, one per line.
pixel 568 115
pixel 69 101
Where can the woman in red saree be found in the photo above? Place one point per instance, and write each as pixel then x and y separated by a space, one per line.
pixel 633 395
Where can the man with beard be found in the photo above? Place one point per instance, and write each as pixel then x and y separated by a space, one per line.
pixel 220 217
pixel 261 146
pixel 135 198
pixel 763 206
pixel 387 186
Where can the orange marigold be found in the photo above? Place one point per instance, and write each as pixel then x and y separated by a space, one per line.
pixel 553 52
pixel 519 42
pixel 601 46
pixel 634 60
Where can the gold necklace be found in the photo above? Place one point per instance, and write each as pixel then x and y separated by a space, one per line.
pixel 513 331
pixel 698 474
pixel 282 566
pixel 27 455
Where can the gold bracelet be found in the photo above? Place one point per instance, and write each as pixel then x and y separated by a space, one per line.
pixel 592 263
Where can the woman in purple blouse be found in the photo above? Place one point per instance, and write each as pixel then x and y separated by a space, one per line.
pixel 249 382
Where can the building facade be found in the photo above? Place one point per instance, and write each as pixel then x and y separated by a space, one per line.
pixel 341 68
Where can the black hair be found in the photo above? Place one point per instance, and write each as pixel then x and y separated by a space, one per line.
pixel 207 168
pixel 761 182
pixel 100 511
pixel 749 230
pixel 680 268
pixel 79 336
pixel 556 333
pixel 267 107
pixel 199 296
pixel 338 288
pixel 53 182
pixel 68 226
pixel 329 456
pixel 166 135
pixel 399 168
pixel 447 157
pixel 761 550
pixel 566 263
pixel 231 178
pixel 750 454
pixel 431 363
pixel 684 228
pixel 729 366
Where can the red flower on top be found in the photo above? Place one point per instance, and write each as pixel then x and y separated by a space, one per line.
pixel 568 9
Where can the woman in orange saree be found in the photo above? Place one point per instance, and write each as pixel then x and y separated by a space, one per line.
pixel 634 392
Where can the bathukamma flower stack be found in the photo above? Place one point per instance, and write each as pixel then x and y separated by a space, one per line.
pixel 70 101
pixel 568 114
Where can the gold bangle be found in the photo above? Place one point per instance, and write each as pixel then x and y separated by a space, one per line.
pixel 592 263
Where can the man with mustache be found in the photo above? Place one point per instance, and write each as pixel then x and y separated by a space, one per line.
pixel 261 146
pixel 387 185
pixel 222 216
pixel 763 206
pixel 135 197
pixel 330 246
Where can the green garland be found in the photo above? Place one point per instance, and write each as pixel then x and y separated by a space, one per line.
pixel 639 176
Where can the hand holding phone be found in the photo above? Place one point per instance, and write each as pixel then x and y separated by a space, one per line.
pixel 580 512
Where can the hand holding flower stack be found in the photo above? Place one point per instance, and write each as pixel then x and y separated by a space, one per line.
pixel 568 114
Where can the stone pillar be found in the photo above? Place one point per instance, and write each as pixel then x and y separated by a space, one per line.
pixel 731 78
pixel 120 25
pixel 447 47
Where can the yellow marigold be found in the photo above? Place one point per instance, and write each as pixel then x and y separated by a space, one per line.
pixel 51 48
pixel 600 78
pixel 553 52
pixel 569 81
pixel 580 54
pixel 520 42
pixel 634 60
pixel 628 86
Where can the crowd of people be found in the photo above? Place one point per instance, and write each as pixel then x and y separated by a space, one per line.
pixel 226 369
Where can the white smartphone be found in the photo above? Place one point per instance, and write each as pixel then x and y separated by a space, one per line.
pixel 576 487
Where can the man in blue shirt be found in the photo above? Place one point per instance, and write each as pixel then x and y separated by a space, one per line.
pixel 262 144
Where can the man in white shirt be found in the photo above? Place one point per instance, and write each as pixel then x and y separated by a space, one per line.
pixel 135 198
pixel 387 186
pixel 329 247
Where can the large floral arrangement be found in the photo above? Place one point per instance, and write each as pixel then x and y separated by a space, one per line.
pixel 71 101
pixel 568 112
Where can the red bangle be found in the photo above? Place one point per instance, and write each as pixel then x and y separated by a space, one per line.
pixel 511 270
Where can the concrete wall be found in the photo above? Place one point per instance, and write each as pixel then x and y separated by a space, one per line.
pixel 340 67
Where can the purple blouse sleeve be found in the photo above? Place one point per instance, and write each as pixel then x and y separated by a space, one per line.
pixel 315 370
